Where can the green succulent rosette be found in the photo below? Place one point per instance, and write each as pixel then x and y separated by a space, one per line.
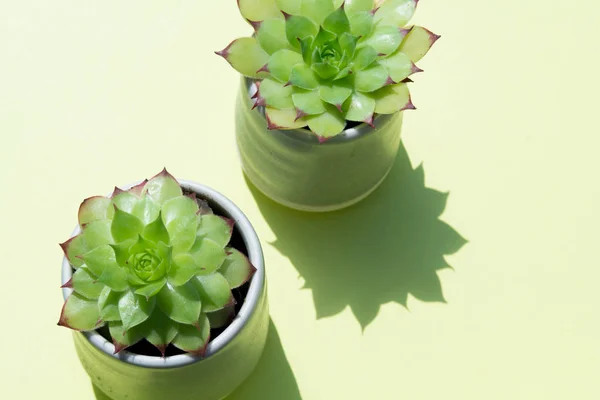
pixel 321 63
pixel 152 263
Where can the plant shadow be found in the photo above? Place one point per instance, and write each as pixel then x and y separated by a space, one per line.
pixel 272 379
pixel 377 251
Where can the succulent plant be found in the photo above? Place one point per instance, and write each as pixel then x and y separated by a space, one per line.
pixel 152 263
pixel 322 63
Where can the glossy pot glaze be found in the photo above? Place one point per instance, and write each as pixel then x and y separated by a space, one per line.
pixel 294 169
pixel 229 359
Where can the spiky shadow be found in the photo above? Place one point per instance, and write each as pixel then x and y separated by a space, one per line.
pixel 272 379
pixel 378 251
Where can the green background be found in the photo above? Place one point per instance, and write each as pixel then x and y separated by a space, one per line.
pixel 497 179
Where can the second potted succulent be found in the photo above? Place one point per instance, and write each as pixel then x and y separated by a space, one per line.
pixel 167 298
pixel 319 113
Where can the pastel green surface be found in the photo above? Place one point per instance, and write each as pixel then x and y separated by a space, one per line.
pixel 94 93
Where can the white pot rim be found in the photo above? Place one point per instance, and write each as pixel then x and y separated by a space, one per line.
pixel 255 255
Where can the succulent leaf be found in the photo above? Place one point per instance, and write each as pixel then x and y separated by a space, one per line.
pixel 162 187
pixel 361 23
pixel 208 255
pixel 357 6
pixel 216 228
pixel 392 99
pixel 246 56
pixel 396 12
pixel 365 57
pixel 259 10
pixel 236 268
pixel 337 22
pixel 193 339
pixel 271 35
pixel 95 208
pixel 182 232
pixel 325 71
pixel 361 108
pixel 108 305
pixel 125 201
pixel 214 291
pixel 98 233
pixel 85 284
pixel 281 63
pixel 276 94
pixel 308 102
pixel 385 39
pixel 291 7
pixel 74 248
pixel 99 258
pixel 146 210
pixel 328 124
pixel 80 314
pixel 317 10
pixel 135 309
pixel 180 303
pixel 151 289
pixel 371 79
pixel 156 231
pixel 125 226
pixel 283 119
pixel 399 66
pixel 418 42
pixel 337 93
pixel 221 318
pixel 298 28
pixel 124 337
pixel 303 77
pixel 179 207
pixel 160 330
pixel 183 268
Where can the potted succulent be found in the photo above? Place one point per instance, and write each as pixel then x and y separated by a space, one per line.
pixel 166 297
pixel 325 83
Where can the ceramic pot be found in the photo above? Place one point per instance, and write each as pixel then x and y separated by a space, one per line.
pixel 229 358
pixel 294 169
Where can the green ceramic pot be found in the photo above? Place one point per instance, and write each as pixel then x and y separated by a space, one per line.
pixel 229 359
pixel 294 169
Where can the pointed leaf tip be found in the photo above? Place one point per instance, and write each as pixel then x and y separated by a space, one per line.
pixel 163 349
pixel 68 284
pixel 286 15
pixel 230 223
pixel 164 173
pixel 415 69
pixel 370 121
pixel 139 188
pixel 116 191
pixel 300 114
pixel 118 347
pixel 409 105
pixel 271 125
pixel 255 24
pixel 407 80
pixel 264 68
pixel 389 81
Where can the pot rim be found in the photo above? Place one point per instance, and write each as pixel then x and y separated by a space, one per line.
pixel 257 283
pixel 308 137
